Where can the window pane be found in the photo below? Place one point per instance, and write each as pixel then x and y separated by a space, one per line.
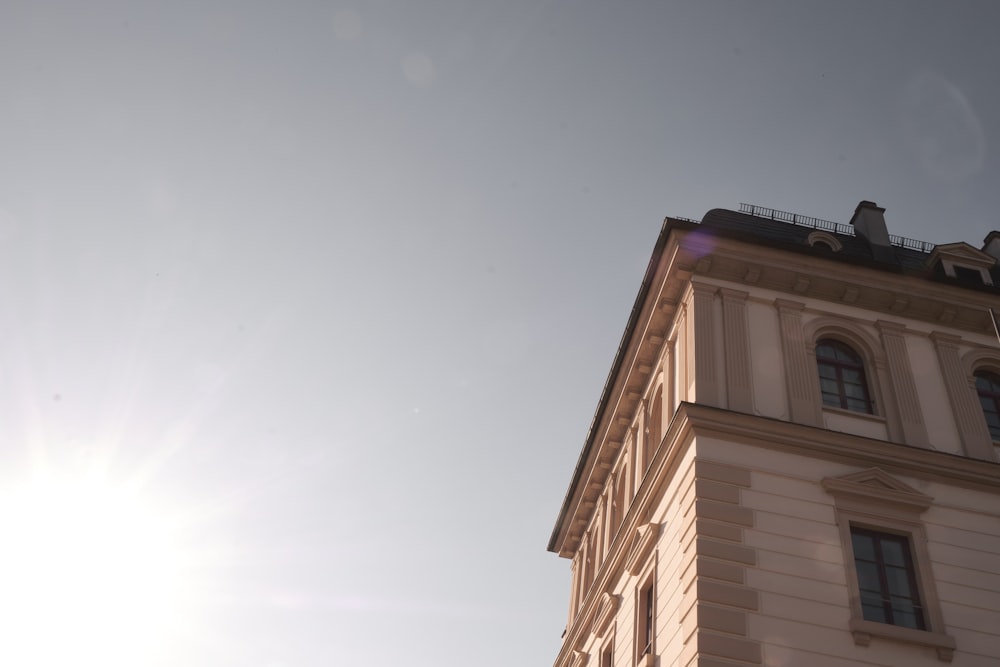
pixel 873 612
pixel 851 375
pixel 868 577
pixel 864 549
pixel 906 614
pixel 858 405
pixel 899 581
pixel 892 550
pixel 842 353
pixel 824 351
pixel 988 382
pixel 829 386
pixel 855 391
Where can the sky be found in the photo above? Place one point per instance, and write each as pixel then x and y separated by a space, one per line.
pixel 307 306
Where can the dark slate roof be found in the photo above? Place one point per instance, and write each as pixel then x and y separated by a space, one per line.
pixel 856 249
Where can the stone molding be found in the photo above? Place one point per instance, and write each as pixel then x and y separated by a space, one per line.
pixel 830 445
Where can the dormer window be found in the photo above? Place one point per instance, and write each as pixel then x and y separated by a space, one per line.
pixel 963 263
pixel 967 274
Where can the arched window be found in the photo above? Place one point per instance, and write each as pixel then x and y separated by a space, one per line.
pixel 988 388
pixel 842 376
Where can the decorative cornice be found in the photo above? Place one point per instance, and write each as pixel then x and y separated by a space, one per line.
pixel 659 300
pixel 857 450
pixel 863 286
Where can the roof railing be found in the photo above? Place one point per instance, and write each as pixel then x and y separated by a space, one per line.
pixel 828 225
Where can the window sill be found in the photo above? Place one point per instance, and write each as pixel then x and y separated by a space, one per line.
pixel 863 632
pixel 878 419
pixel 646 660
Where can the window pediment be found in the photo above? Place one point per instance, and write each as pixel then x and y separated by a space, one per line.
pixel 961 253
pixel 962 256
pixel 876 485
pixel 606 611
pixel 642 546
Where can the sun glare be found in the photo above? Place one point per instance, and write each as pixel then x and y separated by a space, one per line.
pixel 88 575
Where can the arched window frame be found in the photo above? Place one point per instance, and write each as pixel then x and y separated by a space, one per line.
pixel 992 394
pixel 866 346
pixel 862 404
pixel 981 360
pixel 865 343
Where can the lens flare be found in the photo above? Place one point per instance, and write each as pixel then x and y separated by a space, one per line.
pixel 88 575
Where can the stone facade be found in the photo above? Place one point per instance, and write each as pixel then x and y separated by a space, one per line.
pixel 719 512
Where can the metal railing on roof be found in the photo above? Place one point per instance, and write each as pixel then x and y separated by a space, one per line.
pixel 828 225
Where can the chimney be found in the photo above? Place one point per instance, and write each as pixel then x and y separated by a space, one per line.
pixel 991 244
pixel 869 224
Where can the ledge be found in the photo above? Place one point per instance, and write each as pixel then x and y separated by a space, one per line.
pixel 867 416
pixel 863 632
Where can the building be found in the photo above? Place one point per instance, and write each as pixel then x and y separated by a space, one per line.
pixel 794 459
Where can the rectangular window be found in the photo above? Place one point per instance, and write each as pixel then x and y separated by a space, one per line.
pixel 887 579
pixel 608 655
pixel 646 619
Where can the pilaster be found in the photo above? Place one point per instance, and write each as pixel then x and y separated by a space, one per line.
pixel 972 430
pixel 706 389
pixel 736 337
pixel 904 388
pixel 800 374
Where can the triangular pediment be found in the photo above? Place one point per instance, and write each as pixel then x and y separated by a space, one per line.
pixel 876 485
pixel 606 611
pixel 961 253
pixel 642 546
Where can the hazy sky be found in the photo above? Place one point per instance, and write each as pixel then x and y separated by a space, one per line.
pixel 307 306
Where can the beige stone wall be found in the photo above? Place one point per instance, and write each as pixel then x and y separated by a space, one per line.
pixel 906 372
pixel 743 539
pixel 800 572
pixel 749 564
